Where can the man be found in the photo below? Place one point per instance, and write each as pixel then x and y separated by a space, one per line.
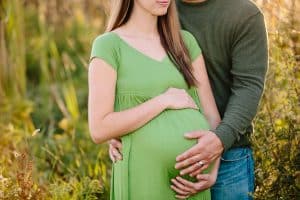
pixel 233 39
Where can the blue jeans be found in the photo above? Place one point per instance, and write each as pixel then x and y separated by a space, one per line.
pixel 236 176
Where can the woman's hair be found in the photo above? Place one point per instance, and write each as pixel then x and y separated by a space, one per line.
pixel 169 31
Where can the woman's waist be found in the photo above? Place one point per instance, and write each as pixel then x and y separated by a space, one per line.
pixel 129 99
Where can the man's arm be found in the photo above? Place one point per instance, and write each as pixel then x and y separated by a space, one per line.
pixel 249 66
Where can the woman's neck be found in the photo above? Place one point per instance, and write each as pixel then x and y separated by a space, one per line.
pixel 142 23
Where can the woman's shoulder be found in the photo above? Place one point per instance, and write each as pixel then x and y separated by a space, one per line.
pixel 108 39
pixel 185 32
pixel 105 46
pixel 191 43
pixel 187 36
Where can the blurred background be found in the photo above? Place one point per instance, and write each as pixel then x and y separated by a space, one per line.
pixel 45 148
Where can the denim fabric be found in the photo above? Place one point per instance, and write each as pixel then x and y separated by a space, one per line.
pixel 236 176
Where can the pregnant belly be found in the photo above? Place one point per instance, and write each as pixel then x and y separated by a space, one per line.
pixel 162 139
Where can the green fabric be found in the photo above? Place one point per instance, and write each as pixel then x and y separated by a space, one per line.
pixel 233 40
pixel 149 152
pixel 106 49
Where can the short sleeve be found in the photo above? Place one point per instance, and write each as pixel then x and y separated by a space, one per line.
pixel 105 48
pixel 191 44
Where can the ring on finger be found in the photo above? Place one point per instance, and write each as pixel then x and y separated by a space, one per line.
pixel 200 163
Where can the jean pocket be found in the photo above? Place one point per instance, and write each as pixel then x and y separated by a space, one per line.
pixel 236 154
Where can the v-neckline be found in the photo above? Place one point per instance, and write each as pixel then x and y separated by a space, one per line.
pixel 138 51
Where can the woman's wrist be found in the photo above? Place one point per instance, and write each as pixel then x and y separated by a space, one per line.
pixel 161 100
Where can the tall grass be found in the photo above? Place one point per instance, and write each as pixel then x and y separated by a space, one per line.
pixel 277 134
pixel 44 141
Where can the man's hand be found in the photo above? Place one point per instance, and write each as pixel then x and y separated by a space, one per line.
pixel 197 158
pixel 185 188
pixel 115 148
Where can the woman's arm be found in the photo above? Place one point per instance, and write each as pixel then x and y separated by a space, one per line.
pixel 104 123
pixel 207 100
pixel 205 93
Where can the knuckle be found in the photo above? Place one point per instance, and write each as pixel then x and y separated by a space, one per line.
pixel 119 145
pixel 198 187
pixel 183 192
pixel 194 159
pixel 198 157
pixel 186 163
pixel 118 142
pixel 195 187
pixel 113 140
pixel 195 167
pixel 205 167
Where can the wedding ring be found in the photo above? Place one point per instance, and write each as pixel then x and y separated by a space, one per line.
pixel 200 163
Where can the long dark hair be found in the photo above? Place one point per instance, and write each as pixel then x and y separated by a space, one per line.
pixel 169 30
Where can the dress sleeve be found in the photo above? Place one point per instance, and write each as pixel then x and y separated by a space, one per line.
pixel 104 47
pixel 191 44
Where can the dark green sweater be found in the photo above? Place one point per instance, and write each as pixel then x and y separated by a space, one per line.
pixel 233 39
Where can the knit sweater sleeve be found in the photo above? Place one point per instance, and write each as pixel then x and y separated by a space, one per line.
pixel 249 66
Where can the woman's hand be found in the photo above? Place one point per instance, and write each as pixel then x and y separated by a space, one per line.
pixel 185 188
pixel 175 98
pixel 115 148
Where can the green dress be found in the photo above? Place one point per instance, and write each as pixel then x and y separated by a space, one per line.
pixel 149 152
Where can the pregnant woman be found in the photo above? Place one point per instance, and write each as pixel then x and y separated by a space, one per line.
pixel 148 86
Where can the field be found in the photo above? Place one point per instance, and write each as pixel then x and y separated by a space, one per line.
pixel 45 148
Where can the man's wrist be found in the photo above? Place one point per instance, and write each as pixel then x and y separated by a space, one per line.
pixel 226 136
pixel 221 142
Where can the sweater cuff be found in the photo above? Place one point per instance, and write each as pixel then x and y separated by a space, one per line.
pixel 226 134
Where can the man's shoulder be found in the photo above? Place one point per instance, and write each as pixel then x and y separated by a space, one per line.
pixel 246 8
pixel 238 12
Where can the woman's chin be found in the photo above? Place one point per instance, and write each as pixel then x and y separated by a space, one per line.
pixel 160 12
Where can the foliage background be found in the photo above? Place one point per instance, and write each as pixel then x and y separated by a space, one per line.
pixel 46 151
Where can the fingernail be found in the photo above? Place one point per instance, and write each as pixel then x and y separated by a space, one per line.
pixel 186 134
pixel 178 158
pixel 181 172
